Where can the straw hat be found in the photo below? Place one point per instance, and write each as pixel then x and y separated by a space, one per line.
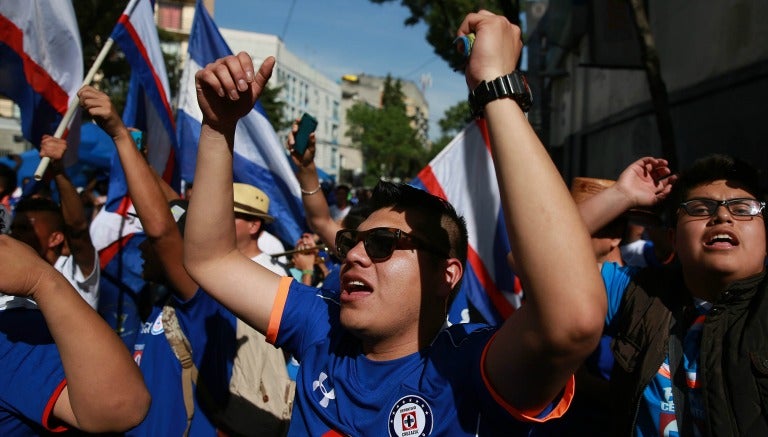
pixel 251 201
pixel 583 188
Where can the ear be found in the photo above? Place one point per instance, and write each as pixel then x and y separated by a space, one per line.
pixel 56 238
pixel 454 270
pixel 255 226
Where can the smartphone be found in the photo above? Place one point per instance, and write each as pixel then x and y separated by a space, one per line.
pixel 138 138
pixel 307 125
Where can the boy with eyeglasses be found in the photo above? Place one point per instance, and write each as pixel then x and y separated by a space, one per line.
pixel 376 358
pixel 690 347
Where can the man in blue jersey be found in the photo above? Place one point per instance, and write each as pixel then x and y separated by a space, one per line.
pixel 62 367
pixel 376 358
pixel 690 338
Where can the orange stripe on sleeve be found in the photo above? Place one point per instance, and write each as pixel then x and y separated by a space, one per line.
pixel 48 412
pixel 530 415
pixel 277 308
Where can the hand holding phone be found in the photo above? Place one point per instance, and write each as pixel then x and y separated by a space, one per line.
pixel 307 125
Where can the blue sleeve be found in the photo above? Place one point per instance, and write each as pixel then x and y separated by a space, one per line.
pixel 309 315
pixel 616 279
pixel 32 373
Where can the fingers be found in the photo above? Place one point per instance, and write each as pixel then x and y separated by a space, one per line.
pixel 496 48
pixel 52 147
pixel 291 141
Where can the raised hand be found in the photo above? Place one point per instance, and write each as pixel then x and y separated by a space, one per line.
pixel 228 88
pixel 99 106
pixel 646 181
pixel 309 154
pixel 53 148
pixel 496 49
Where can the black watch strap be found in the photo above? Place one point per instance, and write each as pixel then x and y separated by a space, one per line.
pixel 512 85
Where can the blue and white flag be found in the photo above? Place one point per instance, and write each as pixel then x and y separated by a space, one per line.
pixel 463 174
pixel 259 157
pixel 41 64
pixel 147 106
pixel 116 231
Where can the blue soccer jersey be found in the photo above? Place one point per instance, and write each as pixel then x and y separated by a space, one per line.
pixel 210 329
pixel 656 415
pixel 32 375
pixel 440 390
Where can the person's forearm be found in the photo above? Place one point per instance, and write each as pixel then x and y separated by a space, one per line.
pixel 316 207
pixel 105 388
pixel 602 208
pixel 539 212
pixel 210 220
pixel 71 206
pixel 145 193
pixel 76 224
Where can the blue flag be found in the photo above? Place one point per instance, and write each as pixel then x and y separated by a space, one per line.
pixel 259 157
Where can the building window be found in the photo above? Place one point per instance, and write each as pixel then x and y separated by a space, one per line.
pixel 169 16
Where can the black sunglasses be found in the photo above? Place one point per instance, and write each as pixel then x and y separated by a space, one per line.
pixel 380 243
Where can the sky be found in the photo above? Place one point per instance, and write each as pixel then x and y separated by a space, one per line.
pixel 338 37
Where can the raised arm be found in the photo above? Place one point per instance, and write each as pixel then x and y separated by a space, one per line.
pixel 537 350
pixel 147 195
pixel 643 183
pixel 312 197
pixel 105 391
pixel 226 91
pixel 75 221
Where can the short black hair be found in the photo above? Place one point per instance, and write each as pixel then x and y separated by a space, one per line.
pixel 712 168
pixel 41 204
pixel 434 219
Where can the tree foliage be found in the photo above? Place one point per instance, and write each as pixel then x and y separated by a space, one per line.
pixel 96 20
pixel 386 137
pixel 454 120
pixel 443 18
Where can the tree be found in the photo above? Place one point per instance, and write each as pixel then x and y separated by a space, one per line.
pixel 386 137
pixel 443 18
pixel 454 120
pixel 96 20
pixel 274 108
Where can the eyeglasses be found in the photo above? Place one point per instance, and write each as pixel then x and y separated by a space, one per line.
pixel 741 207
pixel 380 243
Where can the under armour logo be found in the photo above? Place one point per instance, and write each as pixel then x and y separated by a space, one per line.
pixel 327 395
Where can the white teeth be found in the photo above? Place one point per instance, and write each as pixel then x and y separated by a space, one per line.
pixel 720 237
pixel 356 283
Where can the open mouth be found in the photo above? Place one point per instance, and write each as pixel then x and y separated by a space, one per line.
pixel 722 240
pixel 354 289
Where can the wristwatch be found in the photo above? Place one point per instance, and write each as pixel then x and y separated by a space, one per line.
pixel 512 85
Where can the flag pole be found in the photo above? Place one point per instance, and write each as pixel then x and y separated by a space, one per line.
pixel 43 165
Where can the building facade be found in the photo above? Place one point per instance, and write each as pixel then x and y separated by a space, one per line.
pixel 594 109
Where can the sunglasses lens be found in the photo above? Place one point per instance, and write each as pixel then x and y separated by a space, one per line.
pixel 345 241
pixel 380 244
